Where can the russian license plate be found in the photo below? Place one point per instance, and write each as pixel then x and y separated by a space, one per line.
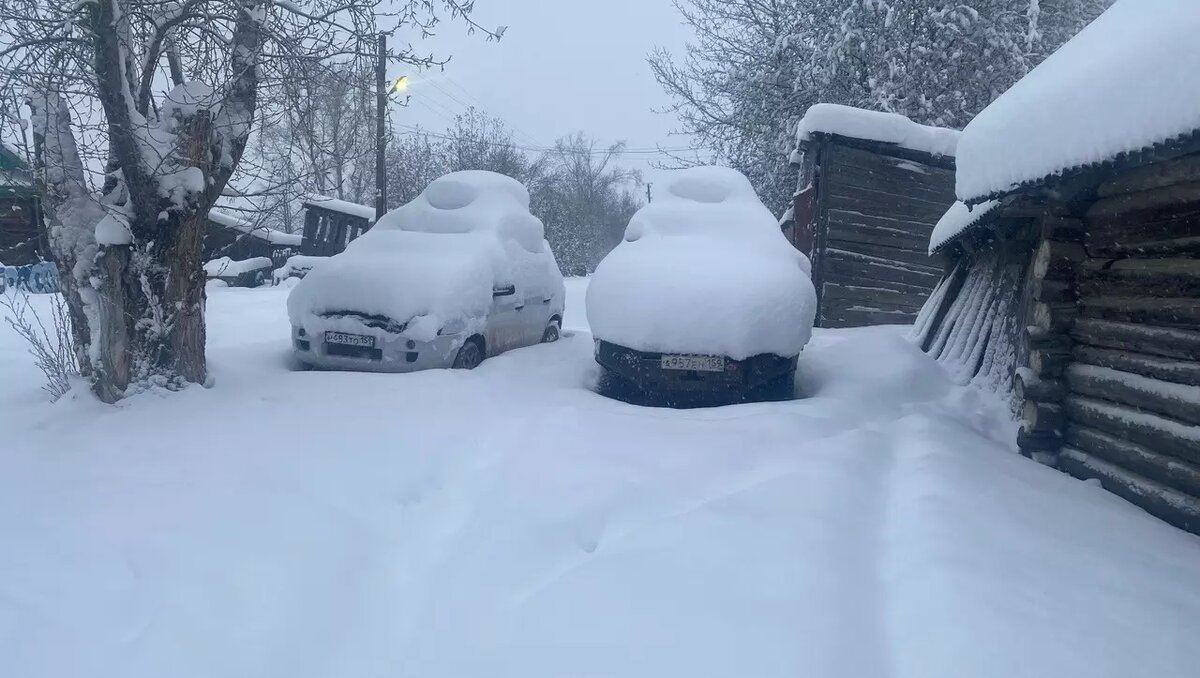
pixel 349 339
pixel 700 363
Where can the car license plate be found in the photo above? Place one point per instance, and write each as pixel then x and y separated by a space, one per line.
pixel 701 363
pixel 349 339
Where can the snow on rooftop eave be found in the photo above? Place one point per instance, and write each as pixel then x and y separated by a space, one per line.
pixel 337 205
pixel 959 220
pixel 1123 87
pixel 836 120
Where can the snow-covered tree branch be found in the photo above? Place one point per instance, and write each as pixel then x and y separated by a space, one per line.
pixel 142 111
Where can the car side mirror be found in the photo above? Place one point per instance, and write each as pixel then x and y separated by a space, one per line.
pixel 506 291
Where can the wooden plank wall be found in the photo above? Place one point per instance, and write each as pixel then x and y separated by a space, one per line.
pixel 877 212
pixel 20 242
pixel 327 232
pixel 1133 401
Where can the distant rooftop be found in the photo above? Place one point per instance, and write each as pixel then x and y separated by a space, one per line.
pixel 270 235
pixel 343 206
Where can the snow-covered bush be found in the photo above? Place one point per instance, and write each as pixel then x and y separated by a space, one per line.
pixel 704 269
pixel 53 348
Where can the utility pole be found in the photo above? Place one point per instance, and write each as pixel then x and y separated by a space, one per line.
pixel 381 95
pixel 649 198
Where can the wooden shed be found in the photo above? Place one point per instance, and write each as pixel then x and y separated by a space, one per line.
pixel 229 235
pixel 21 239
pixel 871 187
pixel 1075 276
pixel 330 224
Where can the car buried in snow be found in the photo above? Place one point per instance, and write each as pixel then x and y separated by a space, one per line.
pixel 461 273
pixel 704 302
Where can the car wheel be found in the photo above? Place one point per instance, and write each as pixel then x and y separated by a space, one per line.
pixel 469 356
pixel 552 332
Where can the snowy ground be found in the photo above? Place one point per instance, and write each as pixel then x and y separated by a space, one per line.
pixel 509 522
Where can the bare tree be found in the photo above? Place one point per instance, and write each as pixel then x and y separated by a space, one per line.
pixel 141 112
pixel 585 201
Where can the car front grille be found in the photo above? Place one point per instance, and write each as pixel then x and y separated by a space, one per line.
pixel 378 322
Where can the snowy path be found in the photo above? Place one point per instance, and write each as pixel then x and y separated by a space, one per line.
pixel 509 522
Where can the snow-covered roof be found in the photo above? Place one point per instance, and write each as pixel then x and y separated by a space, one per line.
pixel 956 221
pixel 1126 83
pixel 344 206
pixel 224 266
pixel 891 128
pixel 261 232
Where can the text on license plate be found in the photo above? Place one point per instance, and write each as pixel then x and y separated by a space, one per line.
pixel 703 363
pixel 349 339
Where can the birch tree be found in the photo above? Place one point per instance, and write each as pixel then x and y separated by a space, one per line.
pixel 140 113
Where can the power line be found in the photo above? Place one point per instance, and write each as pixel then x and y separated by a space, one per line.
pixel 520 133
pixel 413 130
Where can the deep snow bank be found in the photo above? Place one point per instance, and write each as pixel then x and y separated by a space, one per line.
pixel 509 522
pixel 704 269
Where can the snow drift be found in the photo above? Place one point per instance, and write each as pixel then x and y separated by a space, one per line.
pixel 704 269
pixel 437 258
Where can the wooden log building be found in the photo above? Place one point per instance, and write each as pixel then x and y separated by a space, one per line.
pixel 330 224
pixel 871 187
pixel 1073 282
pixel 21 239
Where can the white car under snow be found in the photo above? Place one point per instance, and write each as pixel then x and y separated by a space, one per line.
pixel 461 273
pixel 705 298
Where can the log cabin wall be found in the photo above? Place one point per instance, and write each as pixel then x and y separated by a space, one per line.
pixel 1132 402
pixel 876 206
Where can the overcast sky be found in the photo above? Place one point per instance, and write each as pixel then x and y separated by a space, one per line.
pixel 562 66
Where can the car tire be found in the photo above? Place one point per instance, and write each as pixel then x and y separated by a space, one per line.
pixel 469 356
pixel 552 333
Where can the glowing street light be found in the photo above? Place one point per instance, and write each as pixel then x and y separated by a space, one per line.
pixel 400 85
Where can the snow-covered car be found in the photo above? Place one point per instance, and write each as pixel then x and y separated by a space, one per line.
pixel 250 272
pixel 461 273
pixel 704 301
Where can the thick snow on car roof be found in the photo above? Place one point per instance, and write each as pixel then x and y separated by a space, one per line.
pixel 1126 83
pixel 438 256
pixel 704 269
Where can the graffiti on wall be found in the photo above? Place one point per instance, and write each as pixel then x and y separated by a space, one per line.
pixel 40 278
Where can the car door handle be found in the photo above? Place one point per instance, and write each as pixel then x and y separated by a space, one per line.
pixel 545 301
pixel 519 307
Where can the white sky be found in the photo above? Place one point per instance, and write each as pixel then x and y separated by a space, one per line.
pixel 563 66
